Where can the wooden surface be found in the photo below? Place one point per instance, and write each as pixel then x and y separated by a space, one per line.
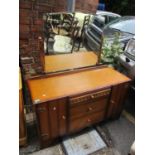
pixel 69 61
pixel 50 88
pixel 22 125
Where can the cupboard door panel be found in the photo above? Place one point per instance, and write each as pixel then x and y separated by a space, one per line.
pixel 117 100
pixel 62 117
pixel 42 115
pixel 53 118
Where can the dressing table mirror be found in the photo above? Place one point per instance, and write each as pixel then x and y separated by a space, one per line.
pixel 64 43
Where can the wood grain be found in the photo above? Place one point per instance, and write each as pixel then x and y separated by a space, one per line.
pixel 22 125
pixel 85 121
pixel 69 61
pixel 88 108
pixel 64 85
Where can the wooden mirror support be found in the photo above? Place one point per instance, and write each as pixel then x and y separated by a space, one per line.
pixel 100 49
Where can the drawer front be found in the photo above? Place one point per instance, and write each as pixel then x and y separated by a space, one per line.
pixel 89 97
pixel 118 95
pixel 57 117
pixel 88 120
pixel 88 108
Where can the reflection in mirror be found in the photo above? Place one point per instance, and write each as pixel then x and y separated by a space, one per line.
pixel 64 43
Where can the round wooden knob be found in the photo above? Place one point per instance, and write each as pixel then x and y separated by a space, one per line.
pixel 112 102
pixel 63 117
pixel 54 108
pixel 92 96
pixel 88 120
pixel 89 109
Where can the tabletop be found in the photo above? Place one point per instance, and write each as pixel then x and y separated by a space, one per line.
pixel 48 88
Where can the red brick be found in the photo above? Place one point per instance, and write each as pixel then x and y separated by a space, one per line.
pixel 37 28
pixel 23 43
pixel 59 9
pixel 41 7
pixel 27 13
pixel 52 2
pixel 89 6
pixel 24 28
pixel 27 60
pixel 61 3
pixel 25 20
pixel 25 5
pixel 38 34
pixel 38 21
pixel 24 35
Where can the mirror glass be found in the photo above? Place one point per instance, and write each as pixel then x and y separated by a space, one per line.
pixel 65 44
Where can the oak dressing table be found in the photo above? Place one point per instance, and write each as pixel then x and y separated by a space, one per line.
pixel 68 102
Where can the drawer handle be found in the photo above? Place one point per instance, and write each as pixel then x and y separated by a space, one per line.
pixel 54 108
pixel 90 109
pixel 88 120
pixel 112 102
pixel 64 117
pixel 41 109
pixel 44 135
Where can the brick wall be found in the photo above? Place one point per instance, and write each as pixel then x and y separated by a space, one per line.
pixel 31 29
pixel 31 32
pixel 86 6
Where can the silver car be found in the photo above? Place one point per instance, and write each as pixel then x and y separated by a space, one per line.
pixel 127 59
pixel 109 16
pixel 125 26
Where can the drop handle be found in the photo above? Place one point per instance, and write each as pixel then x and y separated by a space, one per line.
pixel 64 117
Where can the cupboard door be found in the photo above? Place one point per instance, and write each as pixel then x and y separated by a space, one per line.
pixel 43 121
pixel 62 117
pixel 58 118
pixel 117 100
pixel 53 118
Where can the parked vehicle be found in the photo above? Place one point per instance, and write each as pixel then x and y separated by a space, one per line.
pixel 125 26
pixel 109 16
pixel 127 59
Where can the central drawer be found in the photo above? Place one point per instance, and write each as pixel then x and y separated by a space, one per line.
pixel 88 108
pixel 85 121
pixel 77 100
pixel 89 103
